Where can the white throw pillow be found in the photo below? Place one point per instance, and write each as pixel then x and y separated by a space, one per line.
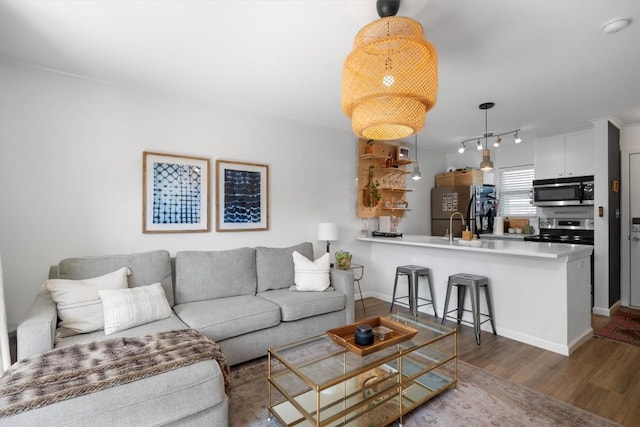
pixel 78 303
pixel 311 275
pixel 126 308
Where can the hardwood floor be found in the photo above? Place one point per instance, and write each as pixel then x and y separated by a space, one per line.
pixel 602 376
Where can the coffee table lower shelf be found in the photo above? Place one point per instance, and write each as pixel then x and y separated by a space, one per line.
pixel 382 413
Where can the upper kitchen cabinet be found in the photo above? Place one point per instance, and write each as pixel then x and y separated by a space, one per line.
pixel 564 155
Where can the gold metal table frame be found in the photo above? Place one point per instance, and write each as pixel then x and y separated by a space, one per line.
pixel 317 382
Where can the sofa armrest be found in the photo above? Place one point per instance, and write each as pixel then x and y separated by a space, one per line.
pixel 342 280
pixel 36 333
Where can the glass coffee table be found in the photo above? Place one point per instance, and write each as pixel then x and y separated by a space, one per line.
pixel 318 382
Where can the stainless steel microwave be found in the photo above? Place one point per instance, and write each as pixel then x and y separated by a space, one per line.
pixel 571 191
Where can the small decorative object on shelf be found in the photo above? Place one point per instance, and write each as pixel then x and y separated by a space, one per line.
pixel 343 260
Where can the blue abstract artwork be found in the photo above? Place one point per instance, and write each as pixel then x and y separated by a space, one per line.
pixel 242 196
pixel 176 193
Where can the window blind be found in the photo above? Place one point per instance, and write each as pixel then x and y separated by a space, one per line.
pixel 515 186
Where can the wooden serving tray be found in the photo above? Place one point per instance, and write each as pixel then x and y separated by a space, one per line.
pixel 344 335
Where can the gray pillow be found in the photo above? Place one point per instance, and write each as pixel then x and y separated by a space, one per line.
pixel 275 265
pixel 146 268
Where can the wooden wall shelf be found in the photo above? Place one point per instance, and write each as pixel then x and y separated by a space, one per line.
pixel 389 183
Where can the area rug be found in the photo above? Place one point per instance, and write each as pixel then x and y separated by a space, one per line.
pixel 624 326
pixel 481 399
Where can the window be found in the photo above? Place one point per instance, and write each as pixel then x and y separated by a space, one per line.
pixel 515 184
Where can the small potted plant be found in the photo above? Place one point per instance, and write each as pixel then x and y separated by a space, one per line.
pixel 343 260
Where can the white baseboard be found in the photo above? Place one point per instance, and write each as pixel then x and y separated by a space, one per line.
pixel 606 311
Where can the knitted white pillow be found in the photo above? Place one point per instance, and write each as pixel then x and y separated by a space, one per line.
pixel 311 275
pixel 78 303
pixel 126 308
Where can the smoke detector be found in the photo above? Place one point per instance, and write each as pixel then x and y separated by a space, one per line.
pixel 616 25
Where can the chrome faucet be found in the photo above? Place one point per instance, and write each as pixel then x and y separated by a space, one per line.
pixel 451 224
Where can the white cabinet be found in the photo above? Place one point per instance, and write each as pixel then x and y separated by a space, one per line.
pixel 564 155
pixel 578 154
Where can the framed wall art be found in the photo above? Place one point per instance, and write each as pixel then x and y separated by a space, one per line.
pixel 242 199
pixel 175 193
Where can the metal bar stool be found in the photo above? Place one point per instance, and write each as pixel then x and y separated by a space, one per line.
pixel 413 273
pixel 462 281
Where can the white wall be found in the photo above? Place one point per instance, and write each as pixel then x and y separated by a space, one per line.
pixel 418 220
pixel 71 173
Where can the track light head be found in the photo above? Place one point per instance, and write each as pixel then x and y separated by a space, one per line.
pixel 462 148
pixel 478 145
pixel 516 138
pixel 497 142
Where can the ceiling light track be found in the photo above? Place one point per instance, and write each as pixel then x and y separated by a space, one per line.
pixel 515 132
pixel 486 163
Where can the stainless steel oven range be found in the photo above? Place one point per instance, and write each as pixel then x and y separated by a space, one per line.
pixel 578 231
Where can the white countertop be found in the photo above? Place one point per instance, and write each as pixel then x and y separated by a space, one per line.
pixel 548 251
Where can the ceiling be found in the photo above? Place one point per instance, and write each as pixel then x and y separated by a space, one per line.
pixel 546 64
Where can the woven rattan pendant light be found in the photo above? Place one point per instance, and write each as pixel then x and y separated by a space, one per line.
pixel 390 80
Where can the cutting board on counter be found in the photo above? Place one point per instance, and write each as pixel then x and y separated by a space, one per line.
pixel 522 223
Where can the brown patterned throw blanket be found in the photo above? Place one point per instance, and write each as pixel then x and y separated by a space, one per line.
pixel 67 372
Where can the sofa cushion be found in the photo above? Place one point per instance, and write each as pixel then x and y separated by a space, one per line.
pixel 126 308
pixel 156 400
pixel 206 275
pixel 298 305
pixel 274 266
pixel 78 302
pixel 146 268
pixel 171 323
pixel 224 318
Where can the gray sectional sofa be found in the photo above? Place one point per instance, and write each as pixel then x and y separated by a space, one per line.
pixel 240 298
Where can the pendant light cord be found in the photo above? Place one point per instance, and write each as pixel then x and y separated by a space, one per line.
pixel 486 126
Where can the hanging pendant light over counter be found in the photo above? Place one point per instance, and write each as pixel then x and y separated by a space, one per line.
pixel 390 80
pixel 486 164
pixel 416 175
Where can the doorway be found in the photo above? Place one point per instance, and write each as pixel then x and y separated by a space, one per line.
pixel 634 232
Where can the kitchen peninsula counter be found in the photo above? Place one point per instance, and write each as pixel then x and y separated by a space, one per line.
pixel 541 291
pixel 498 247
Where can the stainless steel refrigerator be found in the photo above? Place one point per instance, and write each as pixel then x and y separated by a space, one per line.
pixel 476 203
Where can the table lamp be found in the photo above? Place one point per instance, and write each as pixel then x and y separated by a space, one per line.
pixel 328 231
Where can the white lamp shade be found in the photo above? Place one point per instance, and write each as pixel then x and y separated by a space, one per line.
pixel 328 231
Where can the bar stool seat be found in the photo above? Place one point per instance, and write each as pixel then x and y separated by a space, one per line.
pixel 462 281
pixel 413 273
